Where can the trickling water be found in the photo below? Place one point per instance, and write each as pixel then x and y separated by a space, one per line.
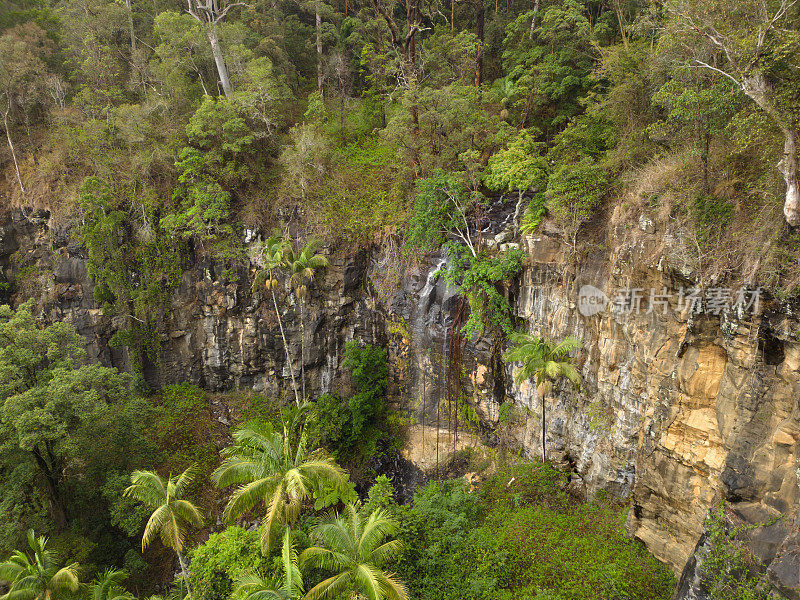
pixel 428 318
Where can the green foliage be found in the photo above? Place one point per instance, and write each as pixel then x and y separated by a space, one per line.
pixel 533 215
pixel 482 279
pixel 549 72
pixel 729 571
pixel 440 206
pixel 356 551
pixel 134 272
pixel 217 159
pixel 49 403
pixel 519 167
pixel 575 191
pixel 380 496
pixel 171 514
pixel 183 429
pixel 222 559
pixel 270 468
pixel 351 427
pixel 522 537
pixel 711 216
pixel 35 572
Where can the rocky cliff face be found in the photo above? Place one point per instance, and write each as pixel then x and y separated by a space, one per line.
pixel 679 409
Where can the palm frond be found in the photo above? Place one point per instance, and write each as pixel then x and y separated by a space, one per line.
pixel 386 552
pixel 272 519
pixel 66 578
pixel 188 512
pixel 155 524
pixel 369 582
pixel 184 480
pixel 247 496
pixel 332 587
pixel 394 589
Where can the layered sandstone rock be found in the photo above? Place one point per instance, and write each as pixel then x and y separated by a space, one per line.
pixel 679 409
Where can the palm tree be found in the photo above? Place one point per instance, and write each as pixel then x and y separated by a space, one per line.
pixel 36 576
pixel 268 468
pixel 109 586
pixel 356 551
pixel 546 362
pixel 303 267
pixel 171 513
pixel 275 255
pixel 289 587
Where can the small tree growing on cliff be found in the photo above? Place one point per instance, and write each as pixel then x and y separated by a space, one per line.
pixel 275 255
pixel 304 265
pixel 546 362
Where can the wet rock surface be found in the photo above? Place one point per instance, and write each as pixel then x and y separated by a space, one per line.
pixel 678 409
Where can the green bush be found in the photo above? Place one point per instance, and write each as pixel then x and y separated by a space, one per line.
pixel 521 536
pixel 183 429
pixel 574 192
pixel 351 427
pixel 482 279
pixel 226 556
pixel 730 571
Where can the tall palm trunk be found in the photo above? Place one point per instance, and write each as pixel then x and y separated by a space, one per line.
pixel 184 572
pixel 285 346
pixel 303 348
pixel 544 421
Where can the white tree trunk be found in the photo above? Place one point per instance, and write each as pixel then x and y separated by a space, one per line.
pixel 757 88
pixel 533 20
pixel 789 168
pixel 185 573
pixel 130 26
pixel 285 347
pixel 219 59
pixel 318 21
pixel 13 152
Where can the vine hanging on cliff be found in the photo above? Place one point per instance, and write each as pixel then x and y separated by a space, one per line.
pixel 133 265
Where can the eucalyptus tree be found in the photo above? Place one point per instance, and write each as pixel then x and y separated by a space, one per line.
pixel 275 255
pixel 210 13
pixel 356 552
pixel 546 362
pixel 267 467
pixel 289 586
pixel 35 575
pixel 304 266
pixel 171 513
pixel 754 44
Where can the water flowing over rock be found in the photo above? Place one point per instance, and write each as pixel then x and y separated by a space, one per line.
pixel 679 409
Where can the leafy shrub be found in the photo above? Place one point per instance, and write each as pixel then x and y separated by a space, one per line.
pixel 729 571
pixel 533 214
pixel 183 429
pixel 218 562
pixel 441 202
pixel 522 537
pixel 481 278
pixel 351 427
pixel 575 191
